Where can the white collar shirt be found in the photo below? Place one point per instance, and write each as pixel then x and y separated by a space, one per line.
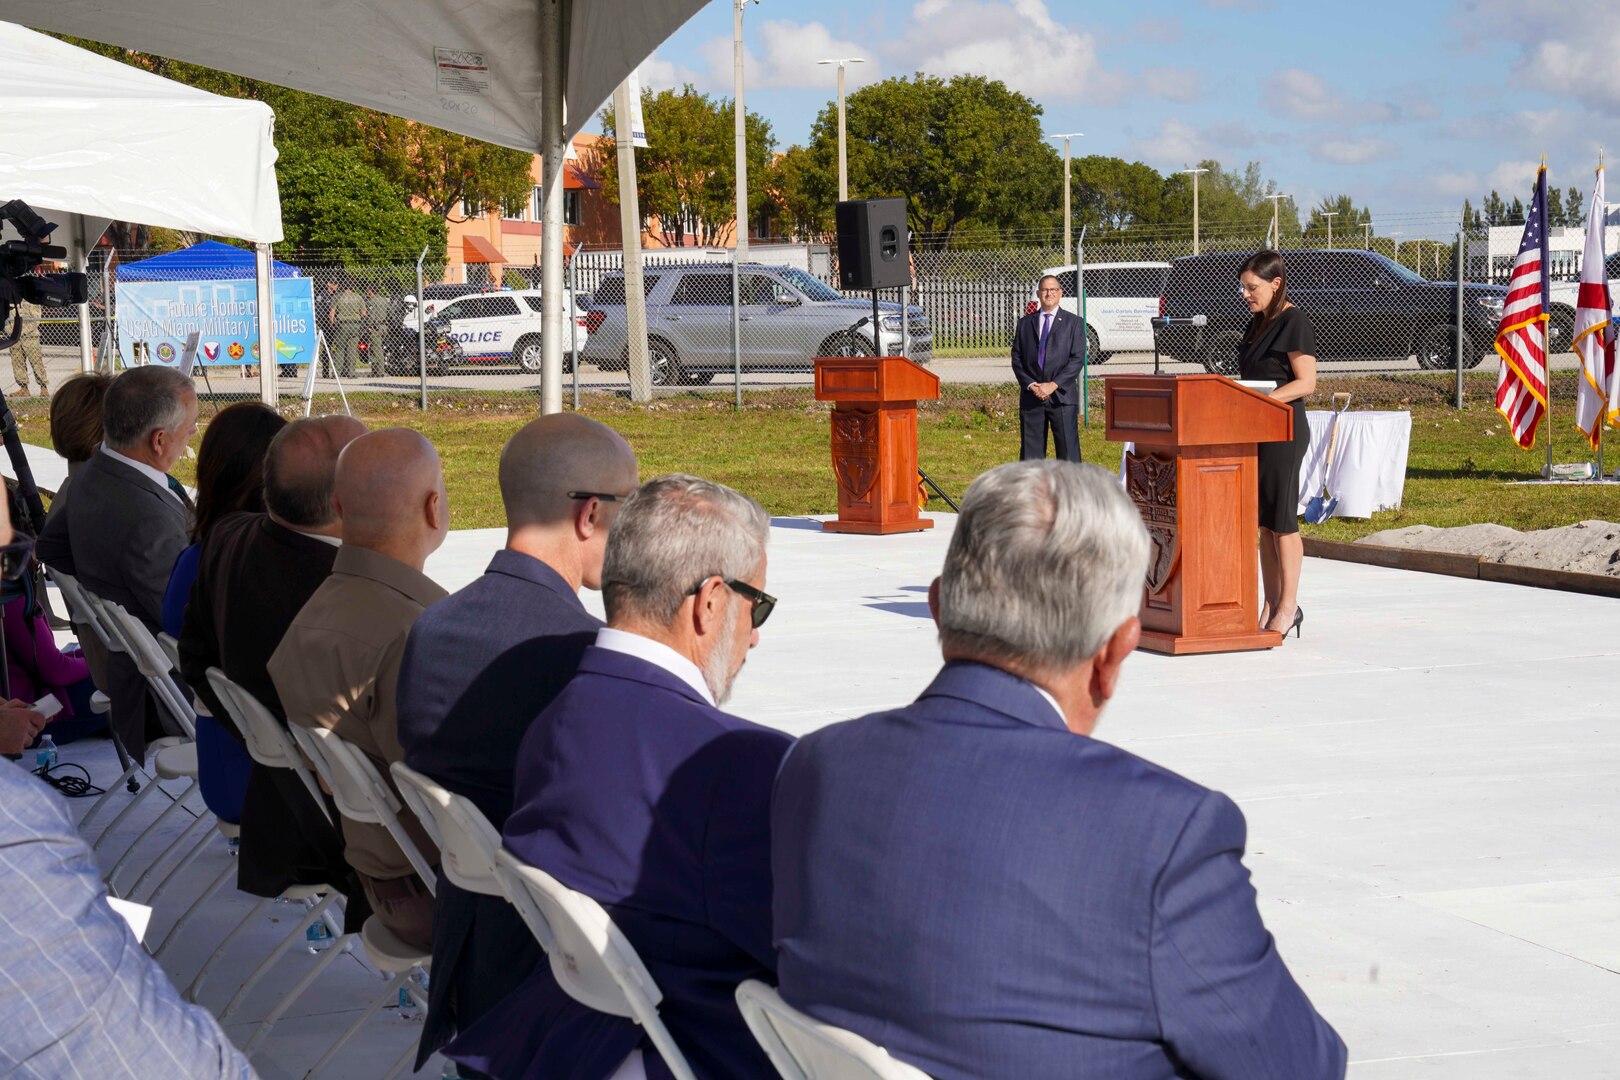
pixel 158 478
pixel 657 654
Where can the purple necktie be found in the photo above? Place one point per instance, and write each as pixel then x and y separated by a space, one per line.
pixel 1046 332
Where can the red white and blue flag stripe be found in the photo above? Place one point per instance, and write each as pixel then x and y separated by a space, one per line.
pixel 1521 338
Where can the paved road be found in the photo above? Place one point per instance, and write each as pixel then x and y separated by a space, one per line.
pixel 975 370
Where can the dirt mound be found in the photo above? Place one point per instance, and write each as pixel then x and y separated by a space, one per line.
pixel 1587 547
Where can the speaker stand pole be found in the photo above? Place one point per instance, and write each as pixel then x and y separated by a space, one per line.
pixel 876 339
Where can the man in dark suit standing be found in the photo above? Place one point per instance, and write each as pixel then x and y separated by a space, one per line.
pixel 127 523
pixel 635 789
pixel 1046 362
pixel 977 884
pixel 255 574
pixel 480 665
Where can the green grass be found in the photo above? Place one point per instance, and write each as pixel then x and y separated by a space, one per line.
pixel 776 448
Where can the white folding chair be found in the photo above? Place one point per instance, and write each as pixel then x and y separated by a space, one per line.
pixel 153 663
pixel 467 841
pixel 268 742
pixel 803 1048
pixel 591 959
pixel 390 955
pixel 359 790
pixel 171 649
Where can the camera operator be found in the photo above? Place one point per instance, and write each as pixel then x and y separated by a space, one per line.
pixel 28 352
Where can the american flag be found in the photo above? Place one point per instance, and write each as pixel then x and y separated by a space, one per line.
pixel 1521 339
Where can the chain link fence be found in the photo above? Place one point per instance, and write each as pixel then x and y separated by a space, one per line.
pixel 1397 326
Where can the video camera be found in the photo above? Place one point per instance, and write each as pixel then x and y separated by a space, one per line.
pixel 18 261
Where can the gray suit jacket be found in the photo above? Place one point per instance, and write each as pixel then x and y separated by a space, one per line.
pixel 119 535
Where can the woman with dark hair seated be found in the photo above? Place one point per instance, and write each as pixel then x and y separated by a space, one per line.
pixel 230 478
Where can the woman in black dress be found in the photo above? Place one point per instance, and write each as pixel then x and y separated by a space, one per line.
pixel 1279 348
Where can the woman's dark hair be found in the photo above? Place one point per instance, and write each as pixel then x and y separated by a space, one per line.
pixel 1268 265
pixel 230 463
pixel 76 415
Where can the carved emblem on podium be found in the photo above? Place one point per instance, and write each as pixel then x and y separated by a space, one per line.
pixel 1150 480
pixel 854 445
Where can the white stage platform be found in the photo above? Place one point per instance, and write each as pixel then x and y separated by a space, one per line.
pixel 1429 783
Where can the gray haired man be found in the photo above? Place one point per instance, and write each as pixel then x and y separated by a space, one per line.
pixel 127 522
pixel 635 789
pixel 980 886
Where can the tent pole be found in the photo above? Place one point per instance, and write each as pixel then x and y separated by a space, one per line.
pixel 82 265
pixel 267 324
pixel 553 81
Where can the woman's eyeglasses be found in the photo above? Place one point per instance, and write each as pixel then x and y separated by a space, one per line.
pixel 14 557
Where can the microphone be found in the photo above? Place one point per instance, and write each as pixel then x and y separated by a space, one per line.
pixel 1161 322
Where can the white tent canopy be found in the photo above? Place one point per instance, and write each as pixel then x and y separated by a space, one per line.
pixel 528 74
pixel 470 67
pixel 82 135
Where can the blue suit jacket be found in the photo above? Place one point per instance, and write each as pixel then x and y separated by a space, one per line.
pixel 479 666
pixel 1063 346
pixel 986 894
pixel 635 791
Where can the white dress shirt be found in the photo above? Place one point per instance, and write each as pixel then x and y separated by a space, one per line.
pixel 158 478
pixel 656 653
pixel 1052 701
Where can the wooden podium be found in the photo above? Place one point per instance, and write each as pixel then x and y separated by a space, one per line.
pixel 874 439
pixel 1193 476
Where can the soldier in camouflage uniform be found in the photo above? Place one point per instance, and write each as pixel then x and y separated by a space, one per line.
pixel 375 328
pixel 348 312
pixel 27 352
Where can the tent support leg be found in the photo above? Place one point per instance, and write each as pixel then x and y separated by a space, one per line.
pixel 553 80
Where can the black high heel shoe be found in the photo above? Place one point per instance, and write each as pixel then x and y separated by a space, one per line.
pixel 1295 627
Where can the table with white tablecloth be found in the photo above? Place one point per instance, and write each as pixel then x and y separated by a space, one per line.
pixel 1369 461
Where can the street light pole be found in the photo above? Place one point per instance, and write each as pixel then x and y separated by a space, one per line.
pixel 1330 215
pixel 1195 174
pixel 740 125
pixel 843 159
pixel 1366 235
pixel 1068 219
pixel 1276 231
pixel 1396 237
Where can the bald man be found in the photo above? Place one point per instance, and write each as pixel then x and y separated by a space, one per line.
pixel 254 573
pixel 338 665
pixel 482 664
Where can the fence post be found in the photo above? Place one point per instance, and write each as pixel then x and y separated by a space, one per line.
pixel 736 327
pixel 1462 241
pixel 421 327
pixel 570 313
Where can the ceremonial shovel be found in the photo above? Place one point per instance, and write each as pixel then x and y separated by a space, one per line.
pixel 1321 507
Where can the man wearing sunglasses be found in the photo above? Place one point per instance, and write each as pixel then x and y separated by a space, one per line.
pixel 635 789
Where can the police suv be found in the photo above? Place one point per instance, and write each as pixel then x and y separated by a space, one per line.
pixel 502 326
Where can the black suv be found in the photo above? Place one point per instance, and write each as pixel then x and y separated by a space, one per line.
pixel 1363 306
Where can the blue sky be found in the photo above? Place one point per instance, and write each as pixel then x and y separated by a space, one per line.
pixel 1408 106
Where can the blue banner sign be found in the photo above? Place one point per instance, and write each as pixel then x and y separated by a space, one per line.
pixel 154 318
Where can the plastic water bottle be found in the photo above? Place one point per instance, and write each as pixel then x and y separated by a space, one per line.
pixel 318 936
pixel 45 753
pixel 449 1072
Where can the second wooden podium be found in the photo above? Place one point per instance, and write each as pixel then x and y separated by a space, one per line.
pixel 874 439
pixel 1192 473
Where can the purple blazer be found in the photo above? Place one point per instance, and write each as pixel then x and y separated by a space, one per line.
pixel 635 791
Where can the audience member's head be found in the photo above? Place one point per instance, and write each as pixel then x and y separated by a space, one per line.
pixel 76 415
pixel 1043 578
pixel 681 560
pixel 561 477
pixel 230 462
pixel 150 414
pixel 300 468
pixel 389 495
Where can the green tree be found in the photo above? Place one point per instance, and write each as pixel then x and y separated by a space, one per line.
pixel 440 169
pixel 963 152
pixel 335 207
pixel 1346 225
pixel 1112 193
pixel 687 178
pixel 803 194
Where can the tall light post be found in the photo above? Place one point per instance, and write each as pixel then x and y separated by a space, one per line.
pixel 1276 231
pixel 843 159
pixel 740 125
pixel 1068 220
pixel 1330 215
pixel 1396 237
pixel 1366 235
pixel 1195 174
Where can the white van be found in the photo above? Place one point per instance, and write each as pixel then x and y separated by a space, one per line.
pixel 1120 299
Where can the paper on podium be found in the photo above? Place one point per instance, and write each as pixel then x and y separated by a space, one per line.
pixel 137 915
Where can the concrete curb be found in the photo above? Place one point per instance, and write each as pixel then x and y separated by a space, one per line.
pixel 1463 566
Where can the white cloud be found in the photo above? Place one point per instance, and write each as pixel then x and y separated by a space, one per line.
pixel 1512 177
pixel 659 74
pixel 1455 185
pixel 1302 95
pixel 1565 48
pixel 1347 151
pixel 1173 84
pixel 790 52
pixel 1015 41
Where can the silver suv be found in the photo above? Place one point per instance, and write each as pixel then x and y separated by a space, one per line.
pixel 787 317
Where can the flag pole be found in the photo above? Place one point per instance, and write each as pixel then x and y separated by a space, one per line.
pixel 1547 471
pixel 1602 406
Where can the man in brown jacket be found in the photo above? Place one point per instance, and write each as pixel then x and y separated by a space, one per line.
pixel 338 665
